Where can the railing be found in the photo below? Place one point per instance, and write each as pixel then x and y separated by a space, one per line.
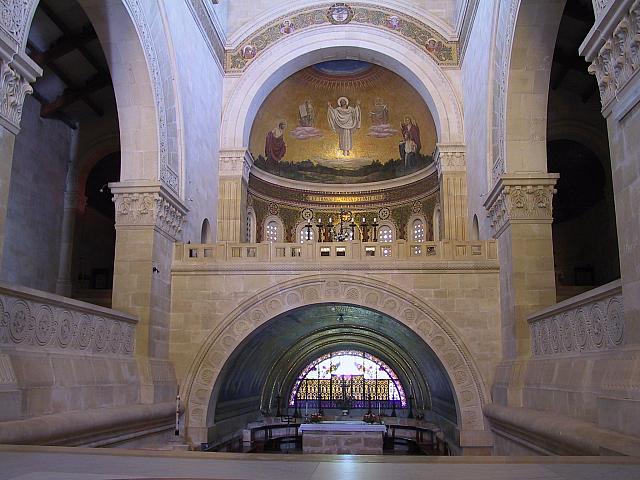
pixel 427 437
pixel 38 320
pixel 592 321
pixel 334 251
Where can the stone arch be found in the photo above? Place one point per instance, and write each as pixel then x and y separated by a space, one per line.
pixel 145 96
pixel 466 381
pixel 367 43
pixel 527 68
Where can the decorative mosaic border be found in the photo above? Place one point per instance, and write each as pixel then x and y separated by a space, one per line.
pixel 444 52
pixel 319 199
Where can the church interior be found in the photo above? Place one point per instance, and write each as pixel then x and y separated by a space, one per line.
pixel 255 239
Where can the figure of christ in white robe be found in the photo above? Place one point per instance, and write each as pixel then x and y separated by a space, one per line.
pixel 344 120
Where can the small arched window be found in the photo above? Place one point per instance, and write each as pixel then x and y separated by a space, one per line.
pixel 436 223
pixel 273 229
pixel 475 230
pixel 205 232
pixel 385 234
pixel 271 232
pixel 305 235
pixel 251 226
pixel 417 231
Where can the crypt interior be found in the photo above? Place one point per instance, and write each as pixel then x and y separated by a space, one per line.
pixel 233 230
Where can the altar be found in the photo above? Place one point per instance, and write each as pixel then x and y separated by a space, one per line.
pixel 342 437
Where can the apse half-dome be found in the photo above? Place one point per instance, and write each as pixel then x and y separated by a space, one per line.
pixel 343 122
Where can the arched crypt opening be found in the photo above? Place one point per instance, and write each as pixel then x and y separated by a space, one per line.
pixel 273 334
pixel 271 360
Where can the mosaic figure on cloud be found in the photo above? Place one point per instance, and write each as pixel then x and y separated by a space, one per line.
pixel 344 120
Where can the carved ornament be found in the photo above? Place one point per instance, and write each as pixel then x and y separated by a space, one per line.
pixel 28 320
pixel 618 58
pixel 450 158
pixel 591 322
pixel 148 206
pixel 521 199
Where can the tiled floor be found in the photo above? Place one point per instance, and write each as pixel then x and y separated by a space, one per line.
pixel 54 463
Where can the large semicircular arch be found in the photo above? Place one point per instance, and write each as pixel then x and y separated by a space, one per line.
pixel 468 386
pixel 358 42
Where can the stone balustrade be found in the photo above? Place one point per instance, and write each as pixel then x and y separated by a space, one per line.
pixel 332 252
pixel 590 322
pixel 35 319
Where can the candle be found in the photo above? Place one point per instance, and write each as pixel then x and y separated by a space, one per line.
pixel 374 219
pixel 363 220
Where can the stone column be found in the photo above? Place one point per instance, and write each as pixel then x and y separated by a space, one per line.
pixel 74 201
pixel 232 194
pixel 613 48
pixel 17 72
pixel 149 220
pixel 452 174
pixel 520 210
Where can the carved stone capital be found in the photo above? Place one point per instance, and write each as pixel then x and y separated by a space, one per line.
pixel 450 158
pixel 16 75
pixel 613 47
pixel 235 163
pixel 148 205
pixel 14 17
pixel 521 199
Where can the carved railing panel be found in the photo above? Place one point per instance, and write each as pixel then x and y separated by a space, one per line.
pixel 34 319
pixel 591 322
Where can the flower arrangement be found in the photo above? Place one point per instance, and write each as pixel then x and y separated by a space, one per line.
pixel 371 418
pixel 315 418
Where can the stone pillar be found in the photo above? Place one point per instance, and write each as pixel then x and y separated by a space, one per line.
pixel 452 174
pixel 149 220
pixel 520 210
pixel 7 141
pixel 17 72
pixel 613 49
pixel 74 201
pixel 232 194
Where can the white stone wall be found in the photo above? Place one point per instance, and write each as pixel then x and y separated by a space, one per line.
pixel 199 83
pixel 36 197
pixel 476 78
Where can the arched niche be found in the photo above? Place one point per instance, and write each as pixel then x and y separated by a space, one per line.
pixel 440 335
pixel 356 42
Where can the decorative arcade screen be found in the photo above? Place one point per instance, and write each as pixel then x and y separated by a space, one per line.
pixel 346 380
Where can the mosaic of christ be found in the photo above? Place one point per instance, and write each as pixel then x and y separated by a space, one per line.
pixel 343 121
